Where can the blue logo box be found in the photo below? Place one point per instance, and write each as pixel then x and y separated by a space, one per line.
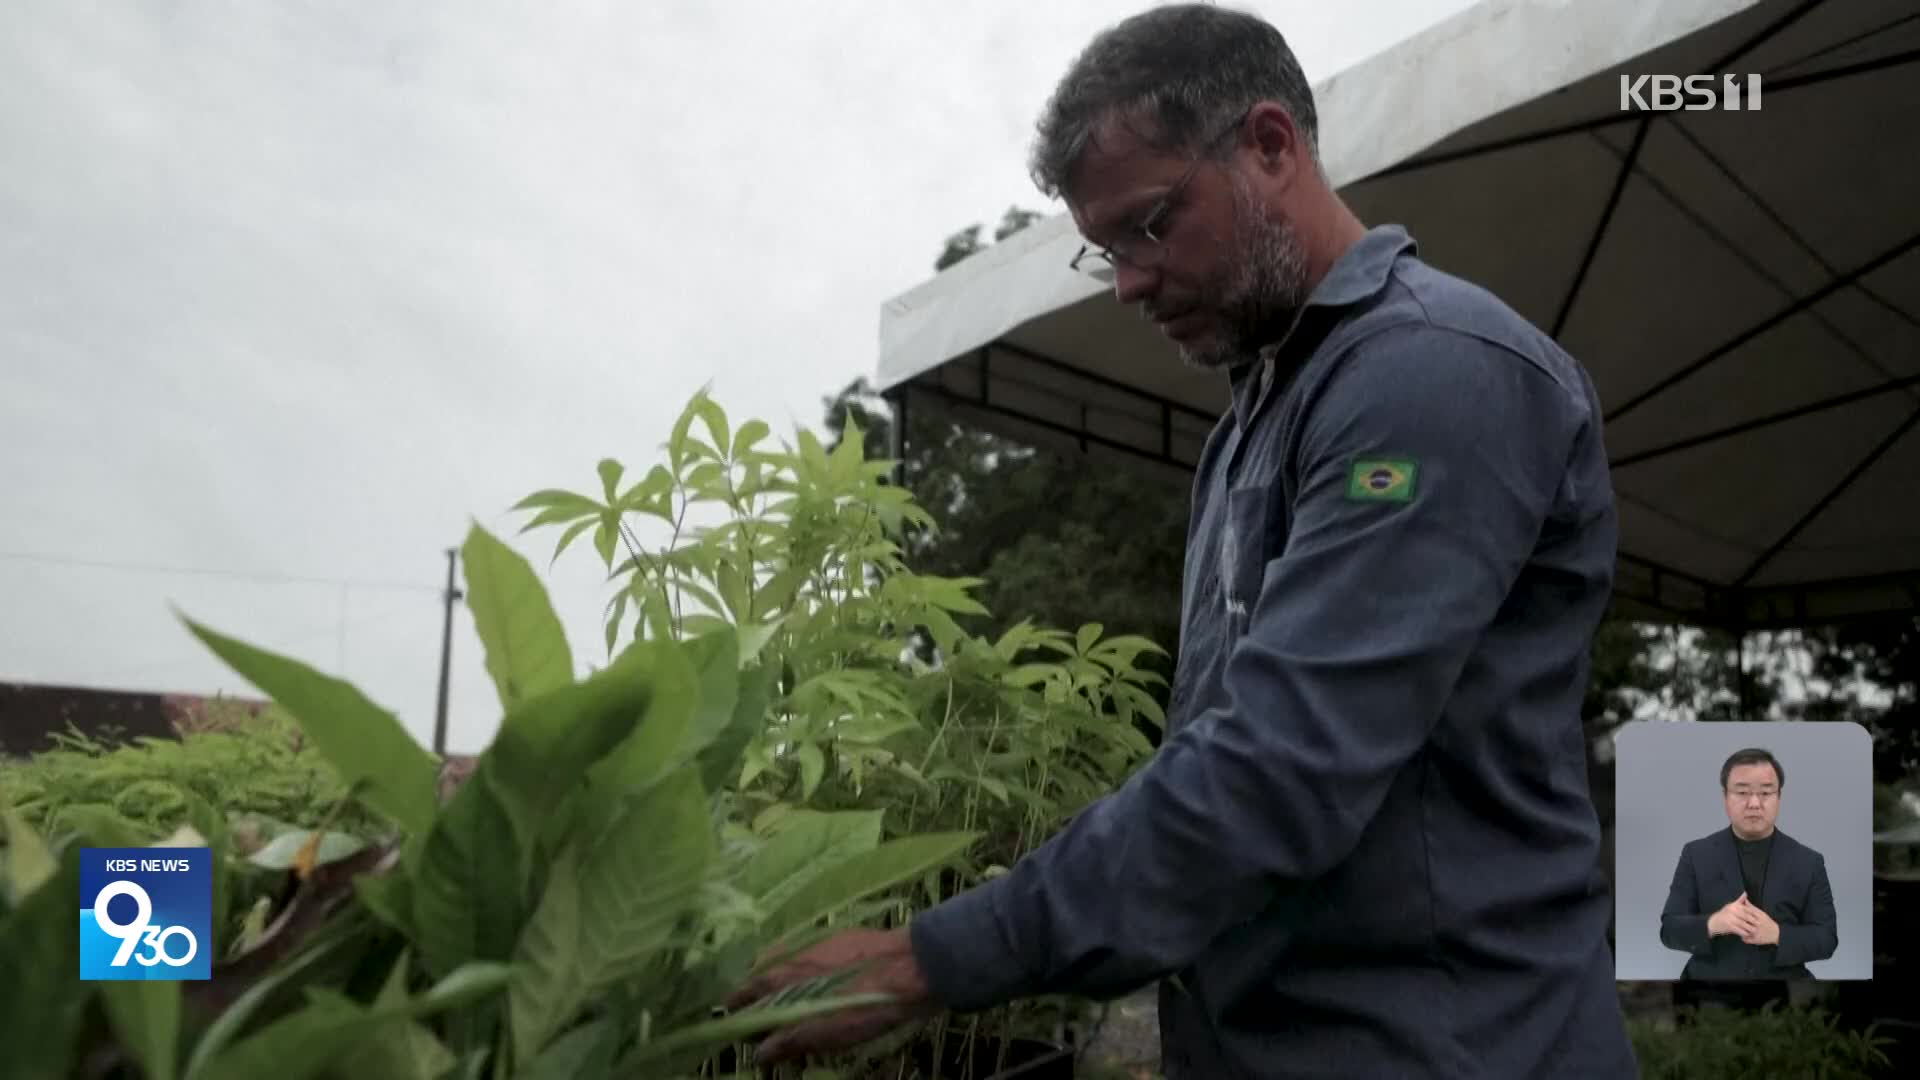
pixel 146 913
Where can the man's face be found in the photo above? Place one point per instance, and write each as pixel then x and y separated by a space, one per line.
pixel 1753 800
pixel 1228 272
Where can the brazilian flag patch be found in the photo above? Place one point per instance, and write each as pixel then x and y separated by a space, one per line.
pixel 1382 480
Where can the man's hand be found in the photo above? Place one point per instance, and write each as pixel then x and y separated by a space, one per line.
pixel 1736 918
pixel 1761 929
pixel 888 967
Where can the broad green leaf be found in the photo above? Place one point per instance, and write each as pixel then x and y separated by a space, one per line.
pixel 308 1041
pixel 42 1002
pixel 220 1034
pixel 546 746
pixel 28 862
pixel 389 897
pixel 468 885
pixel 280 852
pixel 362 741
pixel 607 537
pixel 585 1051
pixel 859 876
pixel 609 907
pixel 145 1017
pixel 526 648
pixel 550 498
pixel 720 758
pixel 800 845
pixel 658 744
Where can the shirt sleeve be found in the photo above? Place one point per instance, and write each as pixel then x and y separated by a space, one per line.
pixel 1360 630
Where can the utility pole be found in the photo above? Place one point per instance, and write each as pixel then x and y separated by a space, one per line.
pixel 446 659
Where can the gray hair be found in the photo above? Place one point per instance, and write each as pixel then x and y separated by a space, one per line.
pixel 1178 75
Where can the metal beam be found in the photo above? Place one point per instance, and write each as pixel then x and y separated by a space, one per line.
pixel 1788 312
pixel 1839 489
pixel 1627 168
pixel 1853 397
pixel 1066 430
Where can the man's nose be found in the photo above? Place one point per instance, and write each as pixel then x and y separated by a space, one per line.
pixel 1131 284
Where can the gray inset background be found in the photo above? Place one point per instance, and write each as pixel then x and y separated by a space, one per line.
pixel 1667 779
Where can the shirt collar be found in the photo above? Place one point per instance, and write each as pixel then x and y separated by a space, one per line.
pixel 1358 274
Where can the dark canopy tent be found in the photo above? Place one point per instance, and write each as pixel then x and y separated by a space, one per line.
pixel 1743 285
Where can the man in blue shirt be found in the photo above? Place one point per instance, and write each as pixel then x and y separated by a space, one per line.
pixel 1366 847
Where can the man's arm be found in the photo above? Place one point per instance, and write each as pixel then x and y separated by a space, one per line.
pixel 1683 925
pixel 1357 638
pixel 1817 935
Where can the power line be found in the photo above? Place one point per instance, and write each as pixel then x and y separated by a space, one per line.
pixel 202 571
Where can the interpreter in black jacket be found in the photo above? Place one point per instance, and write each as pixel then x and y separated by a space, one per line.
pixel 1750 902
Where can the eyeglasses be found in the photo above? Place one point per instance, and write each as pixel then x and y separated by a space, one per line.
pixel 1743 794
pixel 1144 249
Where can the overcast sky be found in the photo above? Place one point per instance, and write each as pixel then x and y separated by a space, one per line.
pixel 292 291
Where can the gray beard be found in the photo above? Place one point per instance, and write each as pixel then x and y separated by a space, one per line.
pixel 1265 290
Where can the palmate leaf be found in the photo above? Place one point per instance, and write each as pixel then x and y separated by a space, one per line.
pixel 526 648
pixel 362 741
pixel 611 903
pixel 466 890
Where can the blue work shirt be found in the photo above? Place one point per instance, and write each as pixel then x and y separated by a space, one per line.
pixel 1366 847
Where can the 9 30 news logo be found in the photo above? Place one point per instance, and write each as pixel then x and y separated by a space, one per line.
pixel 146 913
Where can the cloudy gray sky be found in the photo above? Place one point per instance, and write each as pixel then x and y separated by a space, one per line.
pixel 291 291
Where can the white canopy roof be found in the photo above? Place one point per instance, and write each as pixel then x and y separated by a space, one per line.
pixel 1743 285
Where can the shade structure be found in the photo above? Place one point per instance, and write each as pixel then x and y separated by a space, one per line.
pixel 1744 285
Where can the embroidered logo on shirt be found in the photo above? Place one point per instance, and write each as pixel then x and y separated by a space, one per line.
pixel 1382 480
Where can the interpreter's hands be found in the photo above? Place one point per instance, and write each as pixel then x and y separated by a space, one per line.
pixel 889 967
pixel 1736 918
pixel 1761 929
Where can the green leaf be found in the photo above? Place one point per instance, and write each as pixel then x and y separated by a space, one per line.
pixel 610 907
pixel 308 1041
pixel 363 742
pixel 280 852
pixel 28 862
pixel 716 421
pixel 813 767
pixel 145 1017
pixel 468 885
pixel 526 647
pixel 800 845
pixel 585 1051
pixel 573 531
pixel 859 876
pixel 750 433
pixel 610 473
pixel 1089 634
pixel 720 759
pixel 42 1002
pixel 737 1027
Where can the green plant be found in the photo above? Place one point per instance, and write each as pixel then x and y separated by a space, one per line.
pixel 883 700
pixel 258 767
pixel 1715 1043
pixel 579 907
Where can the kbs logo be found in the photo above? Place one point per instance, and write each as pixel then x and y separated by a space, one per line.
pixel 146 913
pixel 1694 93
